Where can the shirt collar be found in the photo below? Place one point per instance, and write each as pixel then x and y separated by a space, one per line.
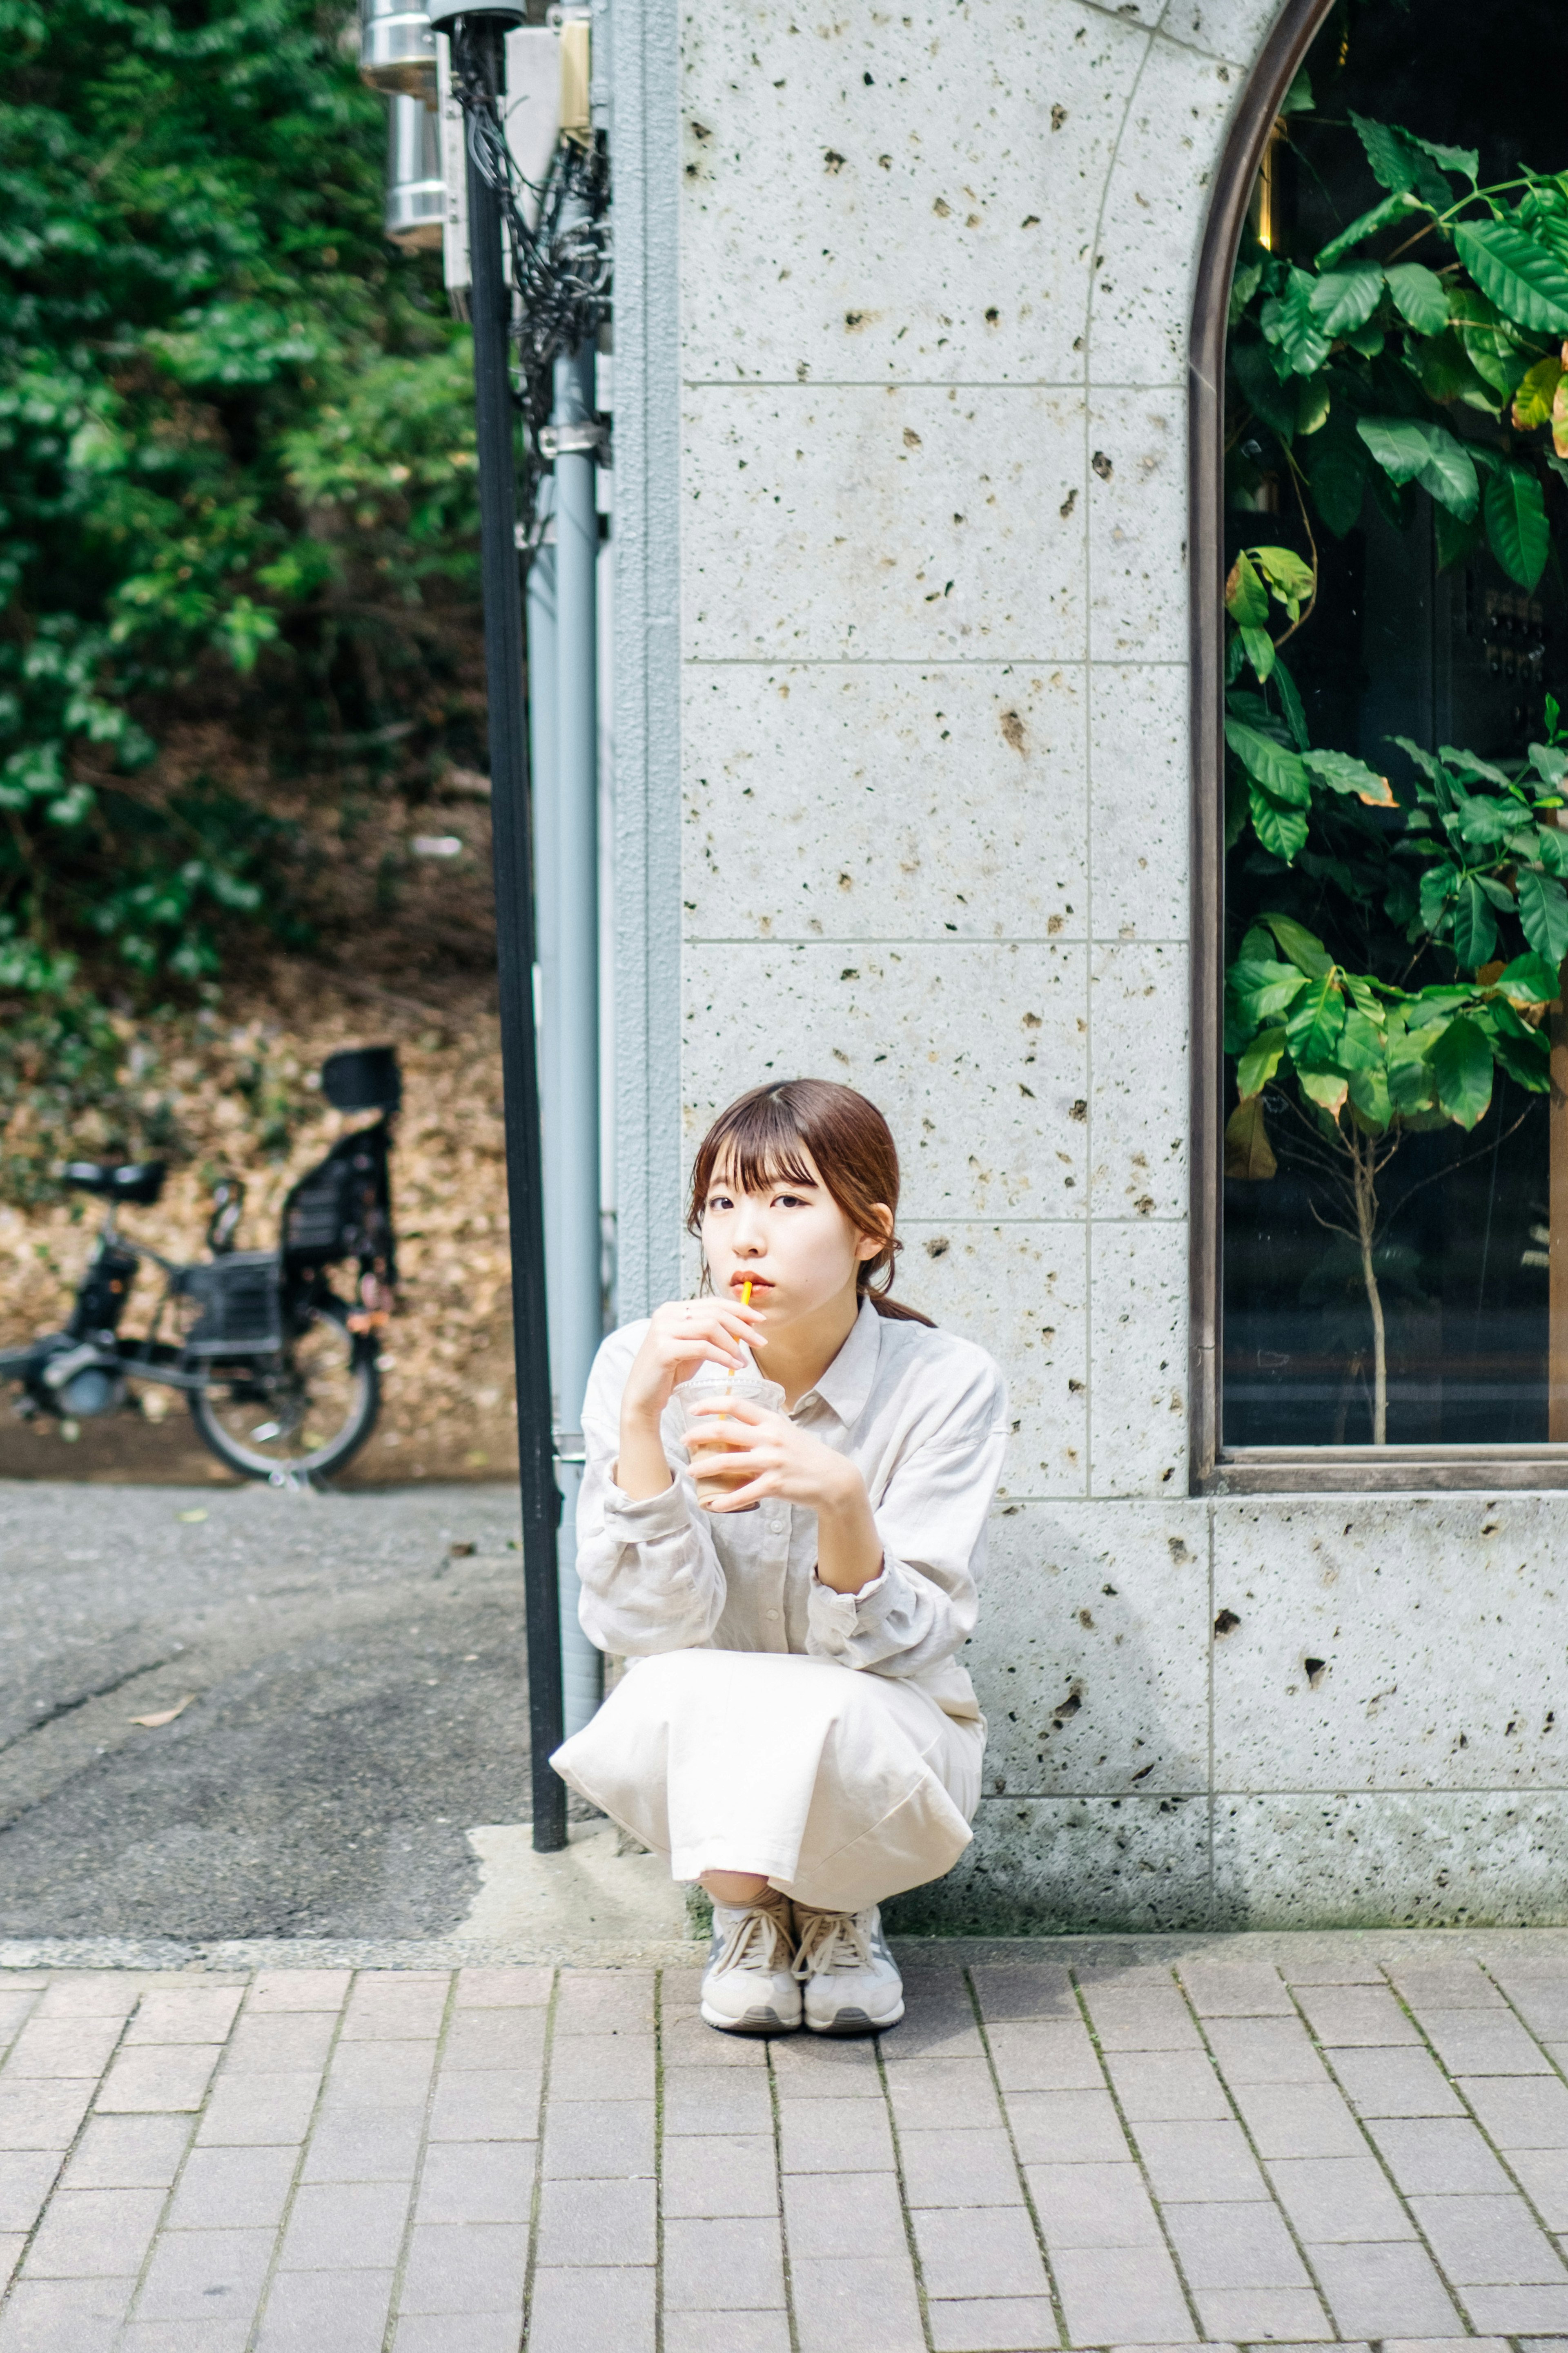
pixel 845 1387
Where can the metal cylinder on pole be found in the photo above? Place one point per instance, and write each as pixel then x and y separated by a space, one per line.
pixel 568 806
pixel 479 44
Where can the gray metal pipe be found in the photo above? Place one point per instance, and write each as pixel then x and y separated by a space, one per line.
pixel 572 992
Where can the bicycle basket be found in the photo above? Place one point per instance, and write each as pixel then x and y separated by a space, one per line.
pixel 240 1302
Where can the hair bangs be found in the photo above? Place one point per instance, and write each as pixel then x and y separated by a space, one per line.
pixel 757 1144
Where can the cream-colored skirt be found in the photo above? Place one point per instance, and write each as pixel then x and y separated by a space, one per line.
pixel 839 1787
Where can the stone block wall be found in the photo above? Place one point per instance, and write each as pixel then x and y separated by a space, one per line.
pixel 936 274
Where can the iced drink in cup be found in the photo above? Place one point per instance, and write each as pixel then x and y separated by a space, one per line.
pixel 713 1433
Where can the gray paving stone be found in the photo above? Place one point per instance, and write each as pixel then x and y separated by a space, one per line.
pixel 1080 2126
pixel 1167 2086
pixel 1441 2345
pixel 465 2267
pixel 1200 2161
pixel 597 2139
pixel 1339 2197
pixel 1236 1990
pixel 927 2093
pixel 687 2041
pixel 602 2067
pixel 1488 2241
pixel 604 2001
pixel 1093 2206
pixel 989 2251
pixel 460 2332
pixel 1024 1989
pixel 395 2006
pixel 844 2215
pixel 590 2311
pixel 1019 2324
pixel 1437 2155
pixel 388 2151
pixel 108 1993
pixel 939 2020
pixel 1397 2083
pixel 1510 2309
pixel 1343 2016
pixel 94 2233
pixel 27 2178
pixel 1276 2314
pixel 973 2168
pixel 280 2044
pixel 477 2181
pixel 309 2310
pixel 1235 2246
pixel 1541 1998
pixel 1298 2120
pixel 243 2189
pixel 15 2009
pixel 1483 2042
pixel 62 2046
pixel 230 2334
pixel 505 1988
pixel 1136 2301
pixel 496 2038
pixel 200 2274
pixel 64 2315
pixel 1457 1984
pixel 345 2226
pixel 1148 2016
pixel 726 2332
pixel 835 2137
pixel 259 2111
pixel 720 2174
pixel 1542 2174
pixel 485 2104
pixel 1522 2112
pixel 128 2152
pixel 1337 1964
pixel 597 2223
pixel 368 2077
pixel 843 2301
pixel 281 1989
pixel 734 2265
pixel 1263 2051
pixel 818 2066
pixel 42 2116
pixel 1045 2056
pixel 715 2100
pixel 185 2014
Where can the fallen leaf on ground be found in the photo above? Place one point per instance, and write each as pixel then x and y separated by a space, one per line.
pixel 167 1714
pixel 190 1516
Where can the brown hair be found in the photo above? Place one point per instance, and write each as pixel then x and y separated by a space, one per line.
pixel 764 1136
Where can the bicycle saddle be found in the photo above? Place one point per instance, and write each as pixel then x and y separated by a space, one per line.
pixel 140 1182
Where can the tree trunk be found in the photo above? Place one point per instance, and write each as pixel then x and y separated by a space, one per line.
pixel 1365 1167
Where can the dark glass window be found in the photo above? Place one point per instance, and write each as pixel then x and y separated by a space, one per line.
pixel 1440 1222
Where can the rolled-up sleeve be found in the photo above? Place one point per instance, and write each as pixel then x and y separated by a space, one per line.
pixel 921 1606
pixel 651 1579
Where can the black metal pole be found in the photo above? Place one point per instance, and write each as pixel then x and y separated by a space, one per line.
pixel 496 420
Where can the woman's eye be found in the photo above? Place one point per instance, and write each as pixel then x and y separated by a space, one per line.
pixel 721 1201
pixel 790 1201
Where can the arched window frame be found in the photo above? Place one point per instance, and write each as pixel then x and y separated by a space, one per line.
pixel 1213 1467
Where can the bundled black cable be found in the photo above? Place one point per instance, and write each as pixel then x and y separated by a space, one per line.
pixel 561 269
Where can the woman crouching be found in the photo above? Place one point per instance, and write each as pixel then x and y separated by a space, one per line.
pixel 794 1729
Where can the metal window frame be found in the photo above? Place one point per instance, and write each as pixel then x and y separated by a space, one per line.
pixel 1214 1469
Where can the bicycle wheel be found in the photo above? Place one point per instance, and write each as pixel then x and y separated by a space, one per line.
pixel 302 1412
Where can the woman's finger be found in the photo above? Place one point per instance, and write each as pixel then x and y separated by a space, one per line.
pixel 734 1409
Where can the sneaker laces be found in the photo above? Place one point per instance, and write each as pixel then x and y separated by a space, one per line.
pixel 756 1939
pixel 831 1940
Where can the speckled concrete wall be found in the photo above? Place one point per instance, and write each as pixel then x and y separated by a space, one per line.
pixel 936 279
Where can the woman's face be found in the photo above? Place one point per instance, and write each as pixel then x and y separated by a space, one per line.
pixel 792 1241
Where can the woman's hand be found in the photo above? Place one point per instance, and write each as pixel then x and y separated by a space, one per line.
pixel 778 1458
pixel 682 1334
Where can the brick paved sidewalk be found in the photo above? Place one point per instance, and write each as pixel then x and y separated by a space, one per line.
pixel 1130 2152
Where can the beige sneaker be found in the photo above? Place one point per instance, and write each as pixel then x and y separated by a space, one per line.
pixel 852 1986
pixel 749 1986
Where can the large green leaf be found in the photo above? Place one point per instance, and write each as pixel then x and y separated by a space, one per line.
pixel 1414 449
pixel 1280 771
pixel 1475 926
pixel 1282 829
pixel 1528 980
pixel 1274 402
pixel 1315 1024
pixel 1524 278
pixel 1412 1086
pixel 1543 912
pixel 1258 648
pixel 1420 296
pixel 1363 1046
pixel 1517 529
pixel 1246 598
pixel 1302 337
pixel 1248 1155
pixel 1452 159
pixel 1401 164
pixel 1382 216
pixel 1439 886
pixel 1344 773
pixel 1306 952
pixel 1462 1066
pixel 1291 580
pixel 1337 470
pixel 1345 298
pixel 1527 1059
pixel 1291 704
pixel 1266 988
pixel 1490 343
pixel 1486 822
pixel 1259 1062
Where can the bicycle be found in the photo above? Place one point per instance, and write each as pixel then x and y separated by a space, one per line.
pixel 278 1372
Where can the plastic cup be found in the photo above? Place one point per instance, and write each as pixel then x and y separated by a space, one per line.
pixel 711 1475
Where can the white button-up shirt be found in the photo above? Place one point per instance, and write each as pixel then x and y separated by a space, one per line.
pixel 923 1417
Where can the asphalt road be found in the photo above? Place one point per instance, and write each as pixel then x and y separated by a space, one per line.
pixel 356 1701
